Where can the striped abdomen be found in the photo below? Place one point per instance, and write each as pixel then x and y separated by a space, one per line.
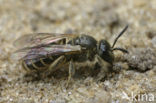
pixel 38 64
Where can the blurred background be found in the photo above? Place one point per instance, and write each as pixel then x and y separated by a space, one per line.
pixel 98 18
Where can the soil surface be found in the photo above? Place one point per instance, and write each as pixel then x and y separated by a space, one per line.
pixel 134 75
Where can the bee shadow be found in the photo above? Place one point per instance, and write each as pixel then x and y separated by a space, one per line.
pixel 60 74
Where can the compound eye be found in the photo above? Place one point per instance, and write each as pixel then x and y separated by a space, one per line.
pixel 104 46
pixel 104 51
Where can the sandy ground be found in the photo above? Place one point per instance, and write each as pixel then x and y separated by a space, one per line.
pixel 135 76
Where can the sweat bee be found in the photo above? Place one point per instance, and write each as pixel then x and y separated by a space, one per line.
pixel 46 52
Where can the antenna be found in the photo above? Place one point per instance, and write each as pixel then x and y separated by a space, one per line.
pixel 121 49
pixel 121 33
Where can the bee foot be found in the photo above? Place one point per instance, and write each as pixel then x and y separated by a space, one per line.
pixel 68 83
pixel 100 78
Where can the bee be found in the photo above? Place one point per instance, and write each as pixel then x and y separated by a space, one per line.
pixel 46 52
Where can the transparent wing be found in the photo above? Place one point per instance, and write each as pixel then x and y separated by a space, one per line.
pixel 35 39
pixel 45 51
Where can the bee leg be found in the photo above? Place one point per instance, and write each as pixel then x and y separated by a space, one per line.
pixel 104 68
pixel 55 65
pixel 71 72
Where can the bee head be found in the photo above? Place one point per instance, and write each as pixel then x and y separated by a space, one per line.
pixel 105 51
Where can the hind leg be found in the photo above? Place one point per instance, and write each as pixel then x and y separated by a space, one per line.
pixel 55 65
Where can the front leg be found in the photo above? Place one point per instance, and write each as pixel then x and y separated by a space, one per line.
pixel 105 68
pixel 71 72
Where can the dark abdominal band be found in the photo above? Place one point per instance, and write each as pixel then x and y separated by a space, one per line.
pixel 37 64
